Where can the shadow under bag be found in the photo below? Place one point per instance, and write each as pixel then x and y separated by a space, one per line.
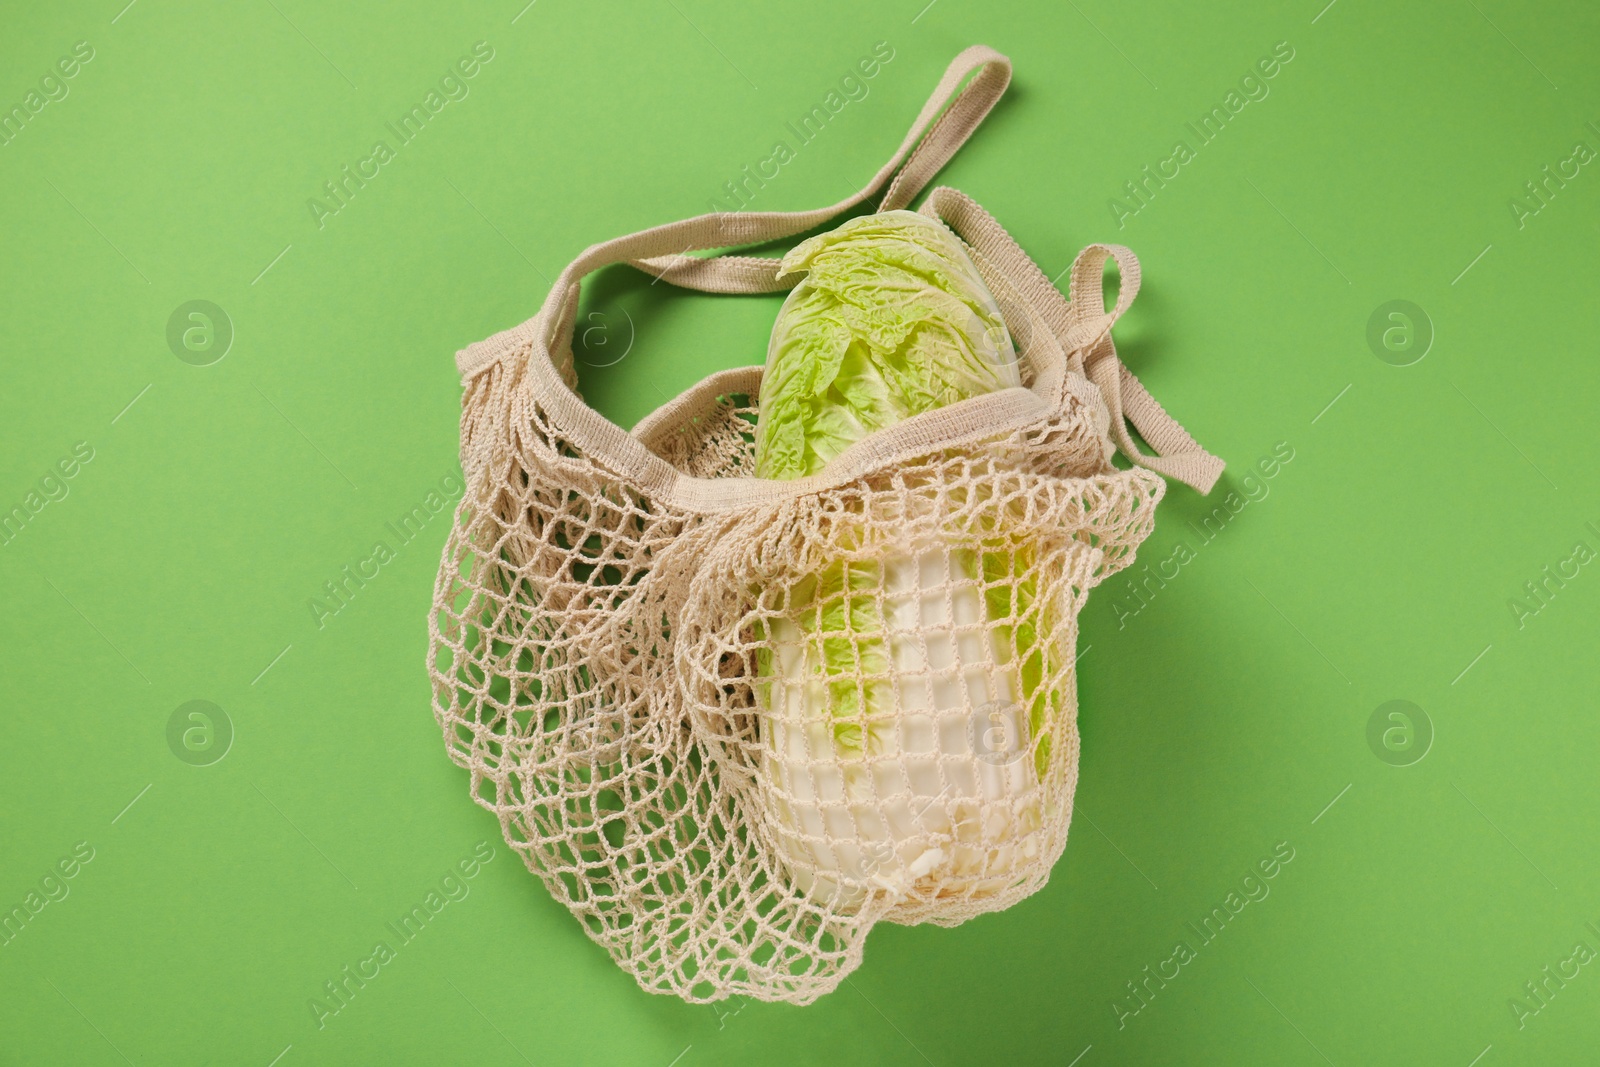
pixel 632 634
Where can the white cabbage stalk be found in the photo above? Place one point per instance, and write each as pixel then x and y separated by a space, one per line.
pixel 923 780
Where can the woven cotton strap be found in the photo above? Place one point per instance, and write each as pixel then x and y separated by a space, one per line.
pixel 939 130
pixel 1082 324
pixel 922 156
pixel 661 250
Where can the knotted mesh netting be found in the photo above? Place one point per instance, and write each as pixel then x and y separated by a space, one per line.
pixel 731 739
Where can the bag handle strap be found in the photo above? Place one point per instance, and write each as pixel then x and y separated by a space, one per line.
pixel 1178 455
pixel 1082 325
pixel 935 135
pixel 939 130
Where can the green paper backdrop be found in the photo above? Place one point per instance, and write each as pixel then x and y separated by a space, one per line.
pixel 1371 274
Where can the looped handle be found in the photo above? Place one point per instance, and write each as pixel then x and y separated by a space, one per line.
pixel 1089 345
pixel 1082 325
pixel 933 138
pixel 1085 303
pixel 952 128
pixel 947 129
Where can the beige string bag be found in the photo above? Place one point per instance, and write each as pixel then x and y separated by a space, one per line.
pixel 611 606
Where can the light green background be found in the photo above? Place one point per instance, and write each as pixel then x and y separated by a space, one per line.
pixel 1221 719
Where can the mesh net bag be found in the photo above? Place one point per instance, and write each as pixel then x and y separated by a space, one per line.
pixel 732 723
